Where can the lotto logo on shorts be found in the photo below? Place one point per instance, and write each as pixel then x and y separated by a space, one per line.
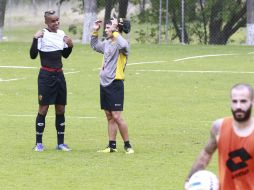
pixel 118 105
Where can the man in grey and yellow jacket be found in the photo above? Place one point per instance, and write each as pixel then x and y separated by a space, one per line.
pixel 115 50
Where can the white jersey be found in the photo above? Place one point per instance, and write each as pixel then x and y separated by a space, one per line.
pixel 52 41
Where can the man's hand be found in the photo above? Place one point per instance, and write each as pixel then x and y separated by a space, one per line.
pixel 97 25
pixel 68 41
pixel 114 24
pixel 39 34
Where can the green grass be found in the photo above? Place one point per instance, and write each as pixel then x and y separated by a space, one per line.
pixel 168 113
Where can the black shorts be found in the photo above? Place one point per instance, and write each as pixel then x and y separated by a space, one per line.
pixel 51 88
pixel 112 96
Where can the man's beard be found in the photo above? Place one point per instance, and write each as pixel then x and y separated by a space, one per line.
pixel 246 114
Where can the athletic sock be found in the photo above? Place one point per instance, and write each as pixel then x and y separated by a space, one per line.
pixel 60 128
pixel 127 144
pixel 112 144
pixel 40 125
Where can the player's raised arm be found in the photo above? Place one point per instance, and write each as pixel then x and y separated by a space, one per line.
pixel 95 43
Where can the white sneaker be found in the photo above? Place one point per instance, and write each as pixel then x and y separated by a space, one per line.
pixel 63 147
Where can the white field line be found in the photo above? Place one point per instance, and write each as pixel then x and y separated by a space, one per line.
pixel 9 80
pixel 138 63
pixel 142 63
pixel 182 71
pixel 176 60
pixel 17 67
pixel 203 56
pixel 72 117
pixel 27 67
pixel 87 117
pixel 73 72
pixel 15 79
pixel 251 53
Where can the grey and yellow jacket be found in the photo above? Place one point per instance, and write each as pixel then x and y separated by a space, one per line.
pixel 115 52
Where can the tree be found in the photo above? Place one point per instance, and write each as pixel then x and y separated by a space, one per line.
pixel 250 22
pixel 150 17
pixel 178 28
pixel 222 26
pixel 59 3
pixel 2 15
pixel 90 15
pixel 181 32
pixel 221 18
pixel 109 4
pixel 142 5
pixel 123 6
pixel 34 6
pixel 108 8
pixel 211 21
pixel 90 12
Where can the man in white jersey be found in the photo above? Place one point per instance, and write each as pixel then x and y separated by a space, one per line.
pixel 52 44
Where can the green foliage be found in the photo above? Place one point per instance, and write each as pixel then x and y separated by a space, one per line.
pixel 61 1
pixel 203 12
pixel 141 36
pixel 73 29
pixel 101 3
pixel 147 37
pixel 147 22
pixel 144 33
pixel 135 2
pixel 197 32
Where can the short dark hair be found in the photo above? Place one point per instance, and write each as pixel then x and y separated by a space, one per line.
pixel 243 85
pixel 108 21
pixel 49 12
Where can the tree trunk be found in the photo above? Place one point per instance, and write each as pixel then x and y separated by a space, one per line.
pixel 220 34
pixel 204 20
pixel 250 22
pixel 142 5
pixel 174 21
pixel 178 29
pixel 90 10
pixel 34 7
pixel 167 22
pixel 159 24
pixel 108 9
pixel 49 4
pixel 142 10
pixel 2 14
pixel 237 20
pixel 123 6
pixel 216 22
pixel 59 3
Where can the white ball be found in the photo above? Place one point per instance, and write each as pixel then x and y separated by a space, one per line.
pixel 203 180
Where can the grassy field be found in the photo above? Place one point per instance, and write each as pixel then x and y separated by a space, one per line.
pixel 169 106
